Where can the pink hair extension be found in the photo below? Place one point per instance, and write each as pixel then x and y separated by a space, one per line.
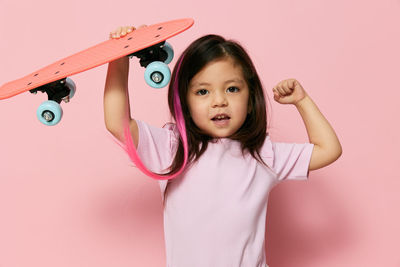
pixel 129 147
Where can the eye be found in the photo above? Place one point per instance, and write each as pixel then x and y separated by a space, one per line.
pixel 233 89
pixel 201 92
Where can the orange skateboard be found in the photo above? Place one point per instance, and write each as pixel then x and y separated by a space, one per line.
pixel 147 43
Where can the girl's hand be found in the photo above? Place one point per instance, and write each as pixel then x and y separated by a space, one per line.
pixel 289 91
pixel 122 31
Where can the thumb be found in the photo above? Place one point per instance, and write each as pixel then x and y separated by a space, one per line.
pixel 276 96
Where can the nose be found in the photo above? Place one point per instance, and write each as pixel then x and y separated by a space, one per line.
pixel 219 100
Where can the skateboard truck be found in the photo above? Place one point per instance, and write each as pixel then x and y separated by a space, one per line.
pixel 50 111
pixel 150 54
pixel 56 91
pixel 155 59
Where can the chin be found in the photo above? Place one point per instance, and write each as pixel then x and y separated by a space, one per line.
pixel 221 135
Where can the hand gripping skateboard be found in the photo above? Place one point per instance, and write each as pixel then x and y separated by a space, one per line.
pixel 147 43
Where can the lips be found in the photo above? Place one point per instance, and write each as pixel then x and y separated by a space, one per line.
pixel 221 116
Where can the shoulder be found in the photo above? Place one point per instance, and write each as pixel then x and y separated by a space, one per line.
pixel 168 129
pixel 160 137
pixel 267 152
pixel 172 128
pixel 156 146
pixel 287 159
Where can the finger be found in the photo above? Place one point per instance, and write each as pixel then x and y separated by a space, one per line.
pixel 274 91
pixel 286 87
pixel 117 32
pixel 291 84
pixel 289 87
pixel 114 34
pixel 277 90
pixel 280 90
pixel 125 30
pixel 276 96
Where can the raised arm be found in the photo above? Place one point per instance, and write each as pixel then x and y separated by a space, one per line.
pixel 116 96
pixel 327 148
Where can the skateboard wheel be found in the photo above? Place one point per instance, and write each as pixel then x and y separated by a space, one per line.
pixel 168 48
pixel 157 74
pixel 72 87
pixel 49 113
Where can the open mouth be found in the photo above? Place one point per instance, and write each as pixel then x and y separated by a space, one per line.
pixel 220 117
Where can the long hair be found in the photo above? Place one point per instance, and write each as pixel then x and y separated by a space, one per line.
pixel 202 51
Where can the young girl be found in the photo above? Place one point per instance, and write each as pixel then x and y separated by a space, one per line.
pixel 215 210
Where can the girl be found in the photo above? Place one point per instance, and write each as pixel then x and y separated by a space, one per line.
pixel 215 210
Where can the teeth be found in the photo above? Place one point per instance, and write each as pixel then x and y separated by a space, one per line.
pixel 221 117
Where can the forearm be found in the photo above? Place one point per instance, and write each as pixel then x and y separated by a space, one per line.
pixel 116 97
pixel 320 132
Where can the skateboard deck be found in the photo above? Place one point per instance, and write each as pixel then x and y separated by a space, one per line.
pixel 147 43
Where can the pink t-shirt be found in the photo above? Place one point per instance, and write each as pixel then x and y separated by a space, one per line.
pixel 215 211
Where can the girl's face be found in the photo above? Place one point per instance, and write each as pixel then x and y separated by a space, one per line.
pixel 218 98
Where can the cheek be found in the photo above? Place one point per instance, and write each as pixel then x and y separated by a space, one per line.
pixel 190 104
pixel 196 108
pixel 198 112
pixel 242 106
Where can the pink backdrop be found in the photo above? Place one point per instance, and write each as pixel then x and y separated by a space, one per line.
pixel 70 197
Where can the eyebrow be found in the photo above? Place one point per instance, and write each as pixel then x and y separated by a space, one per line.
pixel 227 81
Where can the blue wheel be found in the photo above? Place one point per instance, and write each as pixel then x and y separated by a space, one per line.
pixel 157 74
pixel 71 85
pixel 168 48
pixel 49 113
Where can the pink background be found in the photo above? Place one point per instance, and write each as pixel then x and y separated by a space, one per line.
pixel 70 197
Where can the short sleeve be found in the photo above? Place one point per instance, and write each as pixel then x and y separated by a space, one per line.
pixel 156 148
pixel 292 160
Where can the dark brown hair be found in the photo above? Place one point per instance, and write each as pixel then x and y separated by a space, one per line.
pixel 202 51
